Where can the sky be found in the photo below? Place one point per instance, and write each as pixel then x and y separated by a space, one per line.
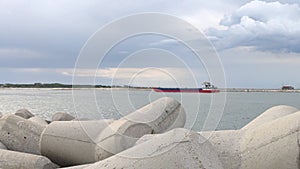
pixel 258 42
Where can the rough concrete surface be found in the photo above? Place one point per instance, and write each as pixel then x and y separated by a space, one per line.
pixel 178 148
pixel 38 120
pixel 71 142
pixel 20 134
pixel 62 116
pixel 18 160
pixel 24 113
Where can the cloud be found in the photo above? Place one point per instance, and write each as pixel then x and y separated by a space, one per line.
pixel 265 26
pixel 59 29
pixel 205 18
pixel 127 73
pixel 40 40
pixel 150 76
pixel 17 53
pixel 111 73
pixel 164 42
pixel 32 75
pixel 168 76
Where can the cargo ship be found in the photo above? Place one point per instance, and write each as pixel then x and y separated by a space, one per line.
pixel 207 88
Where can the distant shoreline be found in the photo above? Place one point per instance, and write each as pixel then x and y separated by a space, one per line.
pixel 63 86
pixel 229 90
pixel 260 90
pixel 59 86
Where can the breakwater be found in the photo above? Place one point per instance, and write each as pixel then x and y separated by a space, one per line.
pixel 259 90
pixel 150 137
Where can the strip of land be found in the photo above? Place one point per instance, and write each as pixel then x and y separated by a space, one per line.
pixel 59 85
pixel 259 90
pixel 69 86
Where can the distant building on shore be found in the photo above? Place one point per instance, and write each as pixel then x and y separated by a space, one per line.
pixel 287 87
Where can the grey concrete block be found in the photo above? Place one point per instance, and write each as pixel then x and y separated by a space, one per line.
pixel 38 120
pixel 97 143
pixel 18 160
pixel 162 115
pixel 272 145
pixel 2 146
pixel 24 113
pixel 226 144
pixel 156 117
pixel 20 134
pixel 62 116
pixel 70 143
pixel 272 113
pixel 77 167
pixel 178 148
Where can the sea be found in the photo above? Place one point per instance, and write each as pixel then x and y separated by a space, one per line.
pixel 218 111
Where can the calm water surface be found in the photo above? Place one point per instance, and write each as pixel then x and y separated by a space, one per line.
pixel 240 108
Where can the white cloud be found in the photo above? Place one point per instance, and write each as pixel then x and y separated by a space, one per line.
pixel 18 53
pixel 169 76
pixel 205 18
pixel 164 42
pixel 267 26
pixel 126 73
pixel 120 76
pixel 119 73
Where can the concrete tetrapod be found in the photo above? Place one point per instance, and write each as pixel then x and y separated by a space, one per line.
pixel 18 160
pixel 77 167
pixel 272 113
pixel 38 120
pixel 61 116
pixel 156 117
pixel 231 145
pixel 273 145
pixel 24 113
pixel 71 142
pixel 20 134
pixel 226 144
pixel 2 146
pixel 178 148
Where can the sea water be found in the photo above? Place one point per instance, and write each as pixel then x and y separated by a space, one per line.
pixel 231 110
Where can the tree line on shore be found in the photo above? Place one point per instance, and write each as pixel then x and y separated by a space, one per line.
pixel 59 85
